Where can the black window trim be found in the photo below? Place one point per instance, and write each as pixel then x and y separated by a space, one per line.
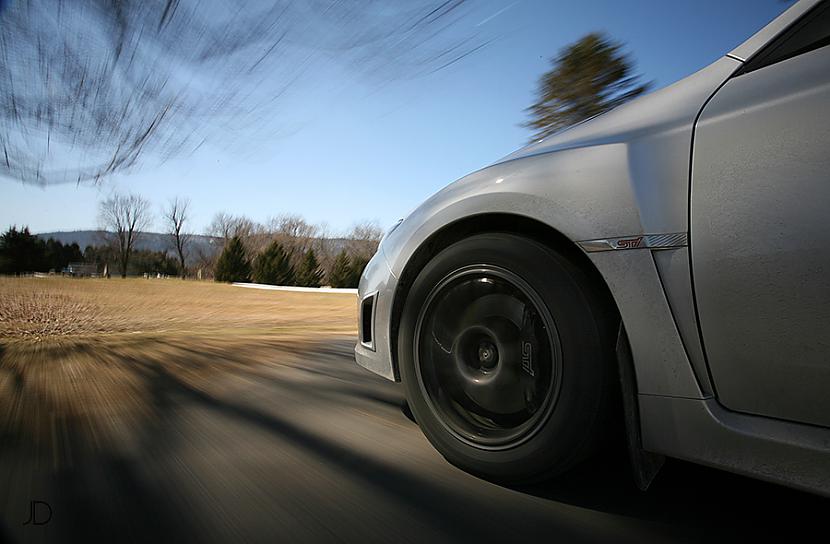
pixel 762 58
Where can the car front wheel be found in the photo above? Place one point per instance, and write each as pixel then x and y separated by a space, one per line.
pixel 504 355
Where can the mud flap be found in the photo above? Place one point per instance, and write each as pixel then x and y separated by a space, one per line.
pixel 644 465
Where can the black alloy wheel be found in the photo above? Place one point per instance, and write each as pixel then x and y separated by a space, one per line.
pixel 505 350
pixel 487 356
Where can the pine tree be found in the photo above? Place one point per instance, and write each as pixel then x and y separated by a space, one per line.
pixel 341 271
pixel 356 270
pixel 588 77
pixel 233 264
pixel 273 266
pixel 309 274
pixel 22 252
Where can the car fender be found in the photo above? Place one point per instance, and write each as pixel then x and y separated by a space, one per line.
pixel 621 176
pixel 661 365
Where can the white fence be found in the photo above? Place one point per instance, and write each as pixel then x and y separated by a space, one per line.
pixel 297 289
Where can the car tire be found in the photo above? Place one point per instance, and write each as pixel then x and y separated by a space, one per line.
pixel 505 352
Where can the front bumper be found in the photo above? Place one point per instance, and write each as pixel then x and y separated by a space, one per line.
pixel 373 349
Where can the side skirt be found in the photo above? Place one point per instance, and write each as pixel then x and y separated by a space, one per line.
pixel 702 431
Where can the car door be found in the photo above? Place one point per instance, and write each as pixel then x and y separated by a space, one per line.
pixel 760 228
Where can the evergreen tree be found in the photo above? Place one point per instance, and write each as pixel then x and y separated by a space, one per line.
pixel 588 77
pixel 21 252
pixel 309 274
pixel 100 255
pixel 273 266
pixel 233 264
pixel 356 270
pixel 58 256
pixel 340 274
pixel 145 261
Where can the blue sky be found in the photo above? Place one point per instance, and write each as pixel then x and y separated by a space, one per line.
pixel 343 150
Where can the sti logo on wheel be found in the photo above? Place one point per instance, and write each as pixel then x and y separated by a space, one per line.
pixel 629 243
pixel 527 358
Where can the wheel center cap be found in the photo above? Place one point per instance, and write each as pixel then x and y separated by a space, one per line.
pixel 488 355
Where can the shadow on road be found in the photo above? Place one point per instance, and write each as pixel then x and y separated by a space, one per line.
pixel 454 515
pixel 708 504
pixel 203 403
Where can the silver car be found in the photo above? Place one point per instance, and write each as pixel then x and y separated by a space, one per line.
pixel 663 268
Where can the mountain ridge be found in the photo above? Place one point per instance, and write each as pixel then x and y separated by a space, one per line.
pixel 155 241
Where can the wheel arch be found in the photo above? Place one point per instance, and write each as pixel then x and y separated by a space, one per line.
pixel 645 465
pixel 479 224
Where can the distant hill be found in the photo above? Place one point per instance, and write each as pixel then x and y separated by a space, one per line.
pixel 152 241
pixel 156 241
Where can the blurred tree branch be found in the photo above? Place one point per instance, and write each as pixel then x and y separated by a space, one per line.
pixel 89 89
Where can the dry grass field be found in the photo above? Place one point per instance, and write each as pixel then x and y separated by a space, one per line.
pixel 84 354
pixel 48 309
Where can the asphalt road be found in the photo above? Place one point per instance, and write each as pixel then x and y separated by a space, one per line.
pixel 312 448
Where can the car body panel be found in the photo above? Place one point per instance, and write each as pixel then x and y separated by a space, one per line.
pixel 661 366
pixel 655 131
pixel 378 279
pixel 592 181
pixel 675 275
pixel 760 239
pixel 702 431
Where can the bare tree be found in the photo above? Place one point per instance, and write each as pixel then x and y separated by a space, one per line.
pixel 295 234
pixel 325 246
pixel 89 89
pixel 226 226
pixel 220 226
pixel 366 231
pixel 363 239
pixel 175 216
pixel 124 217
pixel 206 260
pixel 293 226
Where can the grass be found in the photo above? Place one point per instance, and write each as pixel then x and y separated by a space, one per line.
pixel 84 355
pixel 46 309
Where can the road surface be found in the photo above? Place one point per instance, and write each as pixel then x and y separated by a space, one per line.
pixel 308 447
